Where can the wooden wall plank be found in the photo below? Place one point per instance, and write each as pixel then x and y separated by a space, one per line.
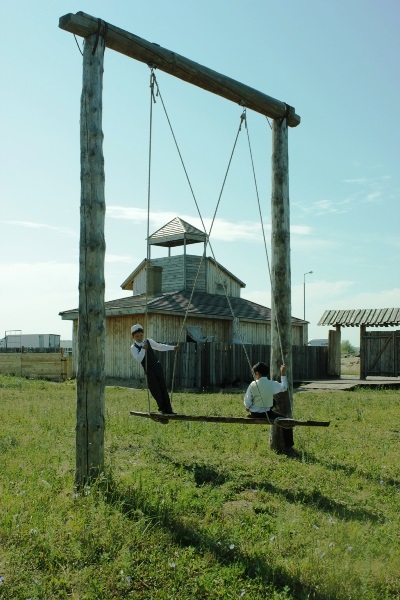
pixel 53 366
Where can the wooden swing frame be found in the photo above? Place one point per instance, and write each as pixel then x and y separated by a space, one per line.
pixel 98 34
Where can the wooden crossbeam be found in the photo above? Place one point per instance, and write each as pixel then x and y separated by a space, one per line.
pixel 152 54
pixel 281 422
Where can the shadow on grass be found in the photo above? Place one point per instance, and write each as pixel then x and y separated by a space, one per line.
pixel 322 503
pixel 205 474
pixel 133 501
pixel 349 470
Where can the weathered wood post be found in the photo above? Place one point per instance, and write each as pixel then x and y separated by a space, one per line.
pixel 334 352
pixel 281 303
pixel 363 350
pixel 91 326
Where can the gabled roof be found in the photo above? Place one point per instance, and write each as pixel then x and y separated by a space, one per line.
pixel 224 270
pixel 201 305
pixel 128 283
pixel 177 233
pixel 378 317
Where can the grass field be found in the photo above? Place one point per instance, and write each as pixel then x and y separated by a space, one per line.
pixel 199 510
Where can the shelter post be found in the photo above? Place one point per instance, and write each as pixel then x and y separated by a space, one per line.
pixel 281 320
pixel 91 325
pixel 363 346
pixel 334 352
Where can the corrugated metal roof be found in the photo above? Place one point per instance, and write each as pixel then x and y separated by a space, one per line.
pixel 378 317
pixel 202 304
pixel 176 233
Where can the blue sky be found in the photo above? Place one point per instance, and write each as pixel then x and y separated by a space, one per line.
pixel 337 63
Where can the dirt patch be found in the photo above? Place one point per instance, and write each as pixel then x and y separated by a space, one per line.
pixel 244 503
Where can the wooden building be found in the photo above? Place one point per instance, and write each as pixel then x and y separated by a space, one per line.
pixel 181 298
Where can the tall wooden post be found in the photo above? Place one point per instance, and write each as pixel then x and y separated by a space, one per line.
pixel 91 326
pixel 281 309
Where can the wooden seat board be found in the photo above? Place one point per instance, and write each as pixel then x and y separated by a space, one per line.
pixel 281 422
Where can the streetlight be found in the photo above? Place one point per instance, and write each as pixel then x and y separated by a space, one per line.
pixel 304 293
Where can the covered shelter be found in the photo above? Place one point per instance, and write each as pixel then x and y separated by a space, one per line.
pixel 379 350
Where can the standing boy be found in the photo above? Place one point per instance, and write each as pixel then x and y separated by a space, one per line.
pixel 259 400
pixel 143 351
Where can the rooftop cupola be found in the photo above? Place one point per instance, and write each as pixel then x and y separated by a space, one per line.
pixel 177 233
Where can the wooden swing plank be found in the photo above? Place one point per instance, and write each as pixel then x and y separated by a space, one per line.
pixel 281 422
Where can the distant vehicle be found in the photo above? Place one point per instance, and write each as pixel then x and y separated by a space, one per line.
pixel 318 343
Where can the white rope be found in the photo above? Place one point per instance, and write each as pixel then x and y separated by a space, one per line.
pixel 243 119
pixel 152 100
pixel 273 304
pixel 208 243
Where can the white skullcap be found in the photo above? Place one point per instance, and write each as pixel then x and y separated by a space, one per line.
pixel 136 328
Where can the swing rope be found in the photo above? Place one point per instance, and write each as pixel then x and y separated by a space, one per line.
pixel 152 101
pixel 208 243
pixel 273 301
pixel 154 85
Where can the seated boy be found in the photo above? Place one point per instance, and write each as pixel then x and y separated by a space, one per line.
pixel 259 400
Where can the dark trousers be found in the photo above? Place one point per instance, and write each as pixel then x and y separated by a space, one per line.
pixel 271 415
pixel 158 387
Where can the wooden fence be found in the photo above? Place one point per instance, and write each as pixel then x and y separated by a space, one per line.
pixel 54 366
pixel 380 354
pixel 218 364
pixel 196 366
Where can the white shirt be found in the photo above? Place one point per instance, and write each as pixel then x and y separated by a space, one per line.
pixel 260 394
pixel 140 354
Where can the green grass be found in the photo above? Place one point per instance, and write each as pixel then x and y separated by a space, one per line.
pixel 199 510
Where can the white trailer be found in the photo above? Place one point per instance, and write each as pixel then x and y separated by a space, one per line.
pixel 35 342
